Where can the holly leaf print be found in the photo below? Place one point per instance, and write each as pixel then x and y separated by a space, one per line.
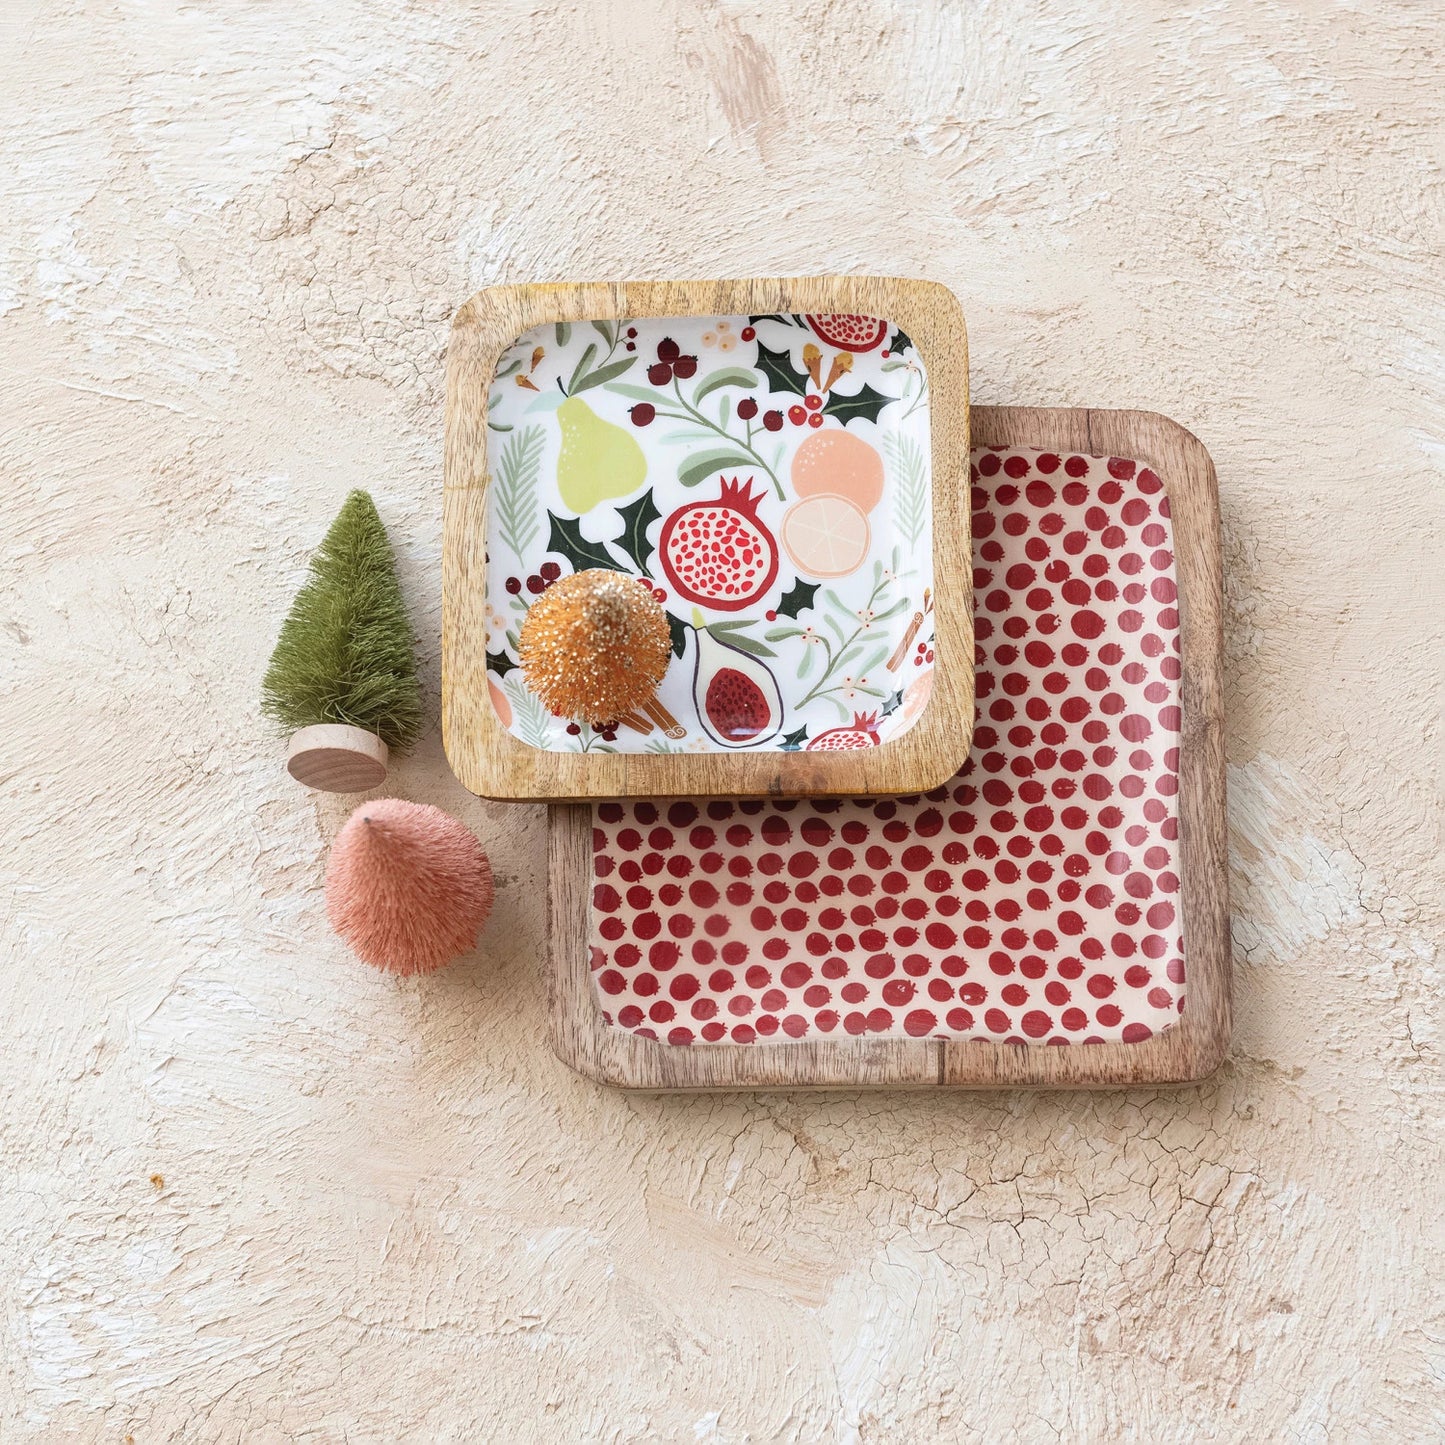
pixel 793 742
pixel 777 367
pixel 566 540
pixel 499 663
pixel 678 631
pixel 864 402
pixel 801 597
pixel 636 519
pixel 899 344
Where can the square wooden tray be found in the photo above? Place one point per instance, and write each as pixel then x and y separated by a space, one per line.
pixel 491 761
pixel 1188 1050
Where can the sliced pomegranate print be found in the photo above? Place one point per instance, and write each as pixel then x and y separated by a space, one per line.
pixel 850 333
pixel 738 700
pixel 718 554
pixel 863 734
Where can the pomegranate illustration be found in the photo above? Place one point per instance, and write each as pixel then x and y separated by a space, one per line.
pixel 863 734
pixel 850 333
pixel 718 554
pixel 738 700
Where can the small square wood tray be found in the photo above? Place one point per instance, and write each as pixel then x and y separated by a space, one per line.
pixel 1053 923
pixel 527 757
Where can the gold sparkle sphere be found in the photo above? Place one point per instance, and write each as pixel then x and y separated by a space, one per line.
pixel 595 646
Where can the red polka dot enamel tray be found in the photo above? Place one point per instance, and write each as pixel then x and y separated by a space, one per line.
pixel 1055 914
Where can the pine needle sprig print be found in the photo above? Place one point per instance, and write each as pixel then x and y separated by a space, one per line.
pixel 515 490
pixel 531 718
pixel 910 467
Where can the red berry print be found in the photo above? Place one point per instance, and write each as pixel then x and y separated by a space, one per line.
pixel 1030 903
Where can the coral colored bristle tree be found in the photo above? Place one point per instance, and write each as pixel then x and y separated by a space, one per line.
pixel 407 886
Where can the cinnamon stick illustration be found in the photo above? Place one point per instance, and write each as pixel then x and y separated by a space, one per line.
pixel 901 651
pixel 670 726
pixel 636 722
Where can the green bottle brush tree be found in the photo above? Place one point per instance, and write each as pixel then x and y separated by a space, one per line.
pixel 342 680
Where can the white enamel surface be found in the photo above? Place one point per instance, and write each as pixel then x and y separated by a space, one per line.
pixel 856 531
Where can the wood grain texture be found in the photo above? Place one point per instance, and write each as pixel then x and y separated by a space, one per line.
pixel 489 761
pixel 337 758
pixel 1191 1050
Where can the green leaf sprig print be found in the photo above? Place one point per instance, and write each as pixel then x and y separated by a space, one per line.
pixel 530 720
pixel 851 642
pixel 730 447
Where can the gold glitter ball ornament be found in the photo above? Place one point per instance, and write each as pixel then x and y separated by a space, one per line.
pixel 594 646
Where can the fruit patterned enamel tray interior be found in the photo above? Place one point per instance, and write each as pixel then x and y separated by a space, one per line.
pixel 1032 900
pixel 768 477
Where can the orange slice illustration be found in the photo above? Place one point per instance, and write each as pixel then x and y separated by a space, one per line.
pixel 825 536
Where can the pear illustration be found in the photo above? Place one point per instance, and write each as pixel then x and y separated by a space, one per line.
pixel 598 460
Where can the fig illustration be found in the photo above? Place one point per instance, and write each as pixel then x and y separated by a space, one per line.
pixel 738 700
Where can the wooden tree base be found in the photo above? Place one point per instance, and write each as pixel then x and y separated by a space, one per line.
pixel 337 758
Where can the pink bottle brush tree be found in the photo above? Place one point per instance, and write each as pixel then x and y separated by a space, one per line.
pixel 407 886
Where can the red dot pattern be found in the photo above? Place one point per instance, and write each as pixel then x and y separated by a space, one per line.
pixel 1033 900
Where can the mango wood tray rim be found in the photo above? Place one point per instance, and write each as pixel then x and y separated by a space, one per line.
pixel 1190 1050
pixel 492 763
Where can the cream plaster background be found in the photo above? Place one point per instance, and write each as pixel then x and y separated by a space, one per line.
pixel 250 1190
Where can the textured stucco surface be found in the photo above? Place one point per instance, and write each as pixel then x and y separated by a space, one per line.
pixel 251 1190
